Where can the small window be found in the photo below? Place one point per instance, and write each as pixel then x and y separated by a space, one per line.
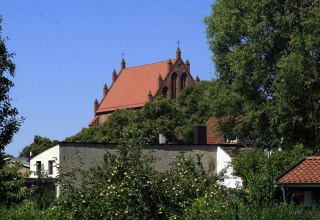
pixel 38 166
pixel 50 167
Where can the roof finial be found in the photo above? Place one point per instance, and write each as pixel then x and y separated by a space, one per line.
pixel 178 42
pixel 122 54
pixel 178 52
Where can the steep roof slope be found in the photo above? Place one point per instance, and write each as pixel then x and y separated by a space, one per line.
pixel 132 86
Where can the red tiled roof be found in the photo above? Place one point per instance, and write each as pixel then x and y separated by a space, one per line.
pixel 132 86
pixel 305 171
pixel 93 120
pixel 213 137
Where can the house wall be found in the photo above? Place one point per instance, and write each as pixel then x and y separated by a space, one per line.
pixel 224 165
pixel 82 156
pixel 90 154
pixel 49 154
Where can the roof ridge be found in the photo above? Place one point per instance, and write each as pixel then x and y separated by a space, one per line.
pixel 148 64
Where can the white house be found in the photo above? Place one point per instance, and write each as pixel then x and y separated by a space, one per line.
pixel 46 162
pixel 223 164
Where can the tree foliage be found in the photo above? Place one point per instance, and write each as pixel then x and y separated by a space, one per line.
pixel 266 54
pixel 38 145
pixel 194 107
pixel 9 123
pixel 175 118
pixel 12 190
pixel 126 186
pixel 258 171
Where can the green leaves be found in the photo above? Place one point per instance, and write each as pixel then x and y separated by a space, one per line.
pixel 9 123
pixel 267 56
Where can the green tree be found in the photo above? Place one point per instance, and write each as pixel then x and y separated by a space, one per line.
pixel 110 131
pixel 266 54
pixel 9 123
pixel 12 190
pixel 194 107
pixel 160 115
pixel 258 171
pixel 38 145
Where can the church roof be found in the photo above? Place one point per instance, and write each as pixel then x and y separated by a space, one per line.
pixel 132 86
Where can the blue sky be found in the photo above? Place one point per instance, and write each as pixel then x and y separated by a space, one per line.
pixel 67 50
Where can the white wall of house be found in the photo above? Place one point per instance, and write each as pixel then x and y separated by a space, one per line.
pixel 224 165
pixel 51 154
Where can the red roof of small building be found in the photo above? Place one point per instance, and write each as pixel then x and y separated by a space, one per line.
pixel 305 171
pixel 213 137
pixel 132 86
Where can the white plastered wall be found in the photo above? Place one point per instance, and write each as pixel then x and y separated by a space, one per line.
pixel 45 156
pixel 224 165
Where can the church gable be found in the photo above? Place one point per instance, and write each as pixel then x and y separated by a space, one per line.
pixel 178 77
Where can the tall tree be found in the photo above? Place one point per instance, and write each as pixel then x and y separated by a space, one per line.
pixel 267 54
pixel 9 123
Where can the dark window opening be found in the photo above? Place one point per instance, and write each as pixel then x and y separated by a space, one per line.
pixel 183 81
pixel 38 166
pixel 50 167
pixel 174 85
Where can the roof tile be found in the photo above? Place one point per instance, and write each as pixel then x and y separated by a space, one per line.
pixel 307 171
pixel 132 86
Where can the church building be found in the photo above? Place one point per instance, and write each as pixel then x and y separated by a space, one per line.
pixel 133 87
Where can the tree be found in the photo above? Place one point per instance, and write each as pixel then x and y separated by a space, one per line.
pixel 267 55
pixel 38 145
pixel 9 123
pixel 109 131
pixel 12 190
pixel 258 171
pixel 194 107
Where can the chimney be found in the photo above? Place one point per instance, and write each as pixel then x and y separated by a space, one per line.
pixel 178 53
pixel 170 65
pixel 95 106
pixel 160 81
pixel 150 96
pixel 114 76
pixel 123 64
pixel 162 138
pixel 200 135
pixel 188 65
pixel 197 79
pixel 105 90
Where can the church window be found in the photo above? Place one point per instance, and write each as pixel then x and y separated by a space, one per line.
pixel 174 85
pixel 183 81
pixel 165 92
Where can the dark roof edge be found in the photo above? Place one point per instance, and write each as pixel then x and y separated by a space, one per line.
pixel 296 183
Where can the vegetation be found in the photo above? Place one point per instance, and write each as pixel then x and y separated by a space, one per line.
pixel 11 185
pixel 174 117
pixel 38 145
pixel 266 54
pixel 267 58
pixel 9 123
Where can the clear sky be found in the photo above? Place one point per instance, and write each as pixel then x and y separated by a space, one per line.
pixel 67 50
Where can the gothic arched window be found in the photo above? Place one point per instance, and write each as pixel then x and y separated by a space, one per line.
pixel 174 85
pixel 183 81
pixel 165 92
